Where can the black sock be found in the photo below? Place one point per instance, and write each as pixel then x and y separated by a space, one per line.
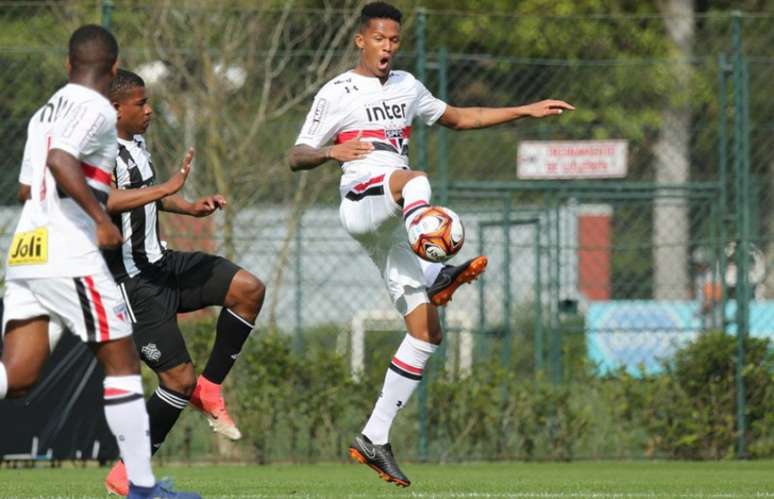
pixel 232 332
pixel 164 407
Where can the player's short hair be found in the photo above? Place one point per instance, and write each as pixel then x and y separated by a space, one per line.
pixel 379 10
pixel 124 82
pixel 92 47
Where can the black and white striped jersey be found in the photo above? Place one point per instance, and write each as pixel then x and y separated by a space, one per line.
pixel 140 227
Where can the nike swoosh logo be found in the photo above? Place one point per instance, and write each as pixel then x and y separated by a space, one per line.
pixel 369 450
pixel 441 282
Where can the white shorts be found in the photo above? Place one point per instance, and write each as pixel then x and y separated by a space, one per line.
pixel 371 216
pixel 91 307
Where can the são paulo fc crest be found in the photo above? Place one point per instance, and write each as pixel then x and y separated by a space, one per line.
pixel 121 313
pixel 399 140
pixel 150 352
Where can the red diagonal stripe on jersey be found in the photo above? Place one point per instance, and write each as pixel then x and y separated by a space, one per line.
pixel 115 392
pixel 104 331
pixel 94 173
pixel 406 367
pixel 405 133
pixel 368 183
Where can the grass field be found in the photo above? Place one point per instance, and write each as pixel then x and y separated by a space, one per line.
pixel 540 480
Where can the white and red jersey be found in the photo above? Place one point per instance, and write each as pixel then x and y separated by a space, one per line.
pixel 54 236
pixel 352 104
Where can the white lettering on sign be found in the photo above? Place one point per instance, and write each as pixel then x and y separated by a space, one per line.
pixel 551 159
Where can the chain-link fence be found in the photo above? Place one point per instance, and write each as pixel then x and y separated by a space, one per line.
pixel 598 277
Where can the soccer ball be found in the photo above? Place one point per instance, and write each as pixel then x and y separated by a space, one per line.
pixel 436 234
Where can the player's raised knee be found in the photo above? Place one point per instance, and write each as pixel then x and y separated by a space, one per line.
pixel 429 335
pixel 248 293
pixel 256 291
pixel 181 379
pixel 400 178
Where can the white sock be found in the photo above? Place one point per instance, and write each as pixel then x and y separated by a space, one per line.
pixel 403 377
pixel 431 270
pixel 128 420
pixel 3 381
pixel 416 196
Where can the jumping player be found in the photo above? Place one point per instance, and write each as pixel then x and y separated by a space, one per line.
pixel 367 112
pixel 54 270
pixel 158 283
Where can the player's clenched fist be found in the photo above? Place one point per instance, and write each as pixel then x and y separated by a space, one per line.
pixel 108 235
pixel 351 150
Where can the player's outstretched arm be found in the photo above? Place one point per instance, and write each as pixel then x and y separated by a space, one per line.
pixel 121 200
pixel 306 157
pixel 67 172
pixel 202 207
pixel 467 118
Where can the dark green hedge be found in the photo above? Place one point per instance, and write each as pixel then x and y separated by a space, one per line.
pixel 305 406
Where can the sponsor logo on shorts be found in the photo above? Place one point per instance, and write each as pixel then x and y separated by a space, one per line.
pixel 151 352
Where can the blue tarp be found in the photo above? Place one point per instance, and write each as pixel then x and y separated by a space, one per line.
pixel 637 334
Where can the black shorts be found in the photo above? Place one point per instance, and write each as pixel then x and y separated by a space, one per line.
pixel 179 282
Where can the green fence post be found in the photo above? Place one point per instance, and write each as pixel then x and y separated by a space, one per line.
pixel 480 343
pixel 419 137
pixel 741 166
pixel 538 334
pixel 443 144
pixel 420 141
pixel 107 14
pixel 507 340
pixel 298 339
pixel 556 326
pixel 443 176
pixel 724 70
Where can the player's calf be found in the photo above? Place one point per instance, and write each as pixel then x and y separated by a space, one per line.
pixel 168 400
pixel 180 378
pixel 235 323
pixel 25 351
pixel 127 419
pixel 245 296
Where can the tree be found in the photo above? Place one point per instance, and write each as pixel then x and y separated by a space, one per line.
pixel 671 231
pixel 238 88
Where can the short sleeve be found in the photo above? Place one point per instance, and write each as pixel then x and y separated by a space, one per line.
pixel 429 108
pixel 322 122
pixel 80 133
pixel 25 175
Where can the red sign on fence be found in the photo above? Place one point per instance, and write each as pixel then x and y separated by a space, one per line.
pixel 553 159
